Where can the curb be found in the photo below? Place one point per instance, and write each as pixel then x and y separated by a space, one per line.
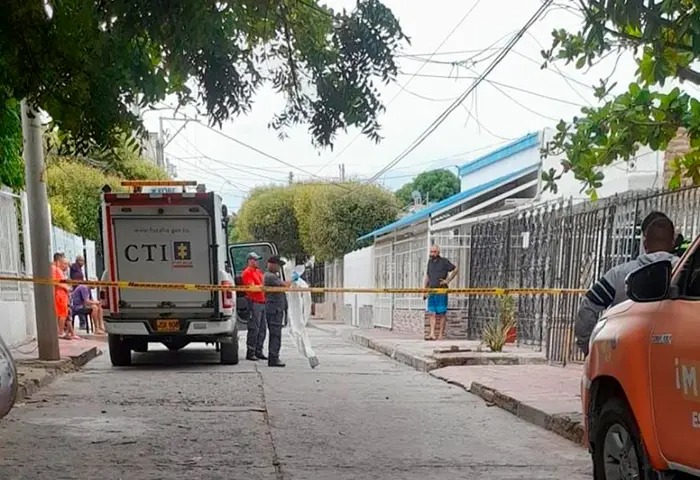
pixel 433 362
pixel 36 374
pixel 563 425
pixel 419 363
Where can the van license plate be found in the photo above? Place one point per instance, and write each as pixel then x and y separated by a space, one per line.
pixel 167 325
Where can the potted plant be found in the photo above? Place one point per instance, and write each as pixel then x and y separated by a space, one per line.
pixel 502 329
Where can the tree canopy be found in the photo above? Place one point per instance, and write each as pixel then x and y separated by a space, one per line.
pixel 315 219
pixel 434 185
pixel 11 163
pixel 664 37
pixel 75 180
pixel 87 62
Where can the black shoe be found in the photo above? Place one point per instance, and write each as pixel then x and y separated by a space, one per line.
pixel 251 357
pixel 275 363
pixel 260 356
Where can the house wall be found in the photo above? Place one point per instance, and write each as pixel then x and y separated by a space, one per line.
pixel 645 172
pixel 17 298
pixel 500 167
pixel 358 272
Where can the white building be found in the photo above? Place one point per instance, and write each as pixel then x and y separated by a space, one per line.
pixel 492 185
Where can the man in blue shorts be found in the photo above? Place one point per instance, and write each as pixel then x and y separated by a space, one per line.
pixel 439 274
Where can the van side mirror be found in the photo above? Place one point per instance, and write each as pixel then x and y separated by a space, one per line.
pixel 650 283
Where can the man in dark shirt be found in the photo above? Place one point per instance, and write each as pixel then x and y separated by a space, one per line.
pixel 439 274
pixel 275 304
pixel 76 270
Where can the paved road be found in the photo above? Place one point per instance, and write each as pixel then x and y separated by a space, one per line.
pixel 358 416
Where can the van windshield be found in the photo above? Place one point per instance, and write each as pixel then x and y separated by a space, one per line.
pixel 239 255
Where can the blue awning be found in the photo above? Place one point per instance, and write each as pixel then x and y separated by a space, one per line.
pixel 527 142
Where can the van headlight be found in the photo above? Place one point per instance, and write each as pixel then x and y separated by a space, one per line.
pixel 596 330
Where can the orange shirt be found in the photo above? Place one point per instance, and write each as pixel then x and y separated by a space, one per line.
pixel 57 274
pixel 253 276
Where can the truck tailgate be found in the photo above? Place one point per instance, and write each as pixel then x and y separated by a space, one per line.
pixel 163 249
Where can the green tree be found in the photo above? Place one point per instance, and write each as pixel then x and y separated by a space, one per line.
pixel 434 186
pixel 318 219
pixel 11 163
pixel 87 63
pixel 123 158
pixel 234 234
pixel 269 216
pixel 664 38
pixel 61 215
pixel 338 218
pixel 75 188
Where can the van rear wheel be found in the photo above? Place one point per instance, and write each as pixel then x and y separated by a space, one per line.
pixel 618 451
pixel 119 351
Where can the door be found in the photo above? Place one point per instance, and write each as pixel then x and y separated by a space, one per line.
pixel 675 367
pixel 238 258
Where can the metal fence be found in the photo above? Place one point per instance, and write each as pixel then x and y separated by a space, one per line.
pixel 11 256
pixel 562 245
pixel 315 277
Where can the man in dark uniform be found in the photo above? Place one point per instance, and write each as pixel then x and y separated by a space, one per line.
pixel 275 305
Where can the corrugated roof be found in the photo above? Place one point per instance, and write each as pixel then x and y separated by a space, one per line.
pixel 524 143
pixel 464 195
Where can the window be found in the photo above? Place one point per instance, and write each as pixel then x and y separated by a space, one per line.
pixel 689 280
pixel 239 255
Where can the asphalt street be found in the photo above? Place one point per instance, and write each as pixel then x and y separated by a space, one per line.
pixel 359 415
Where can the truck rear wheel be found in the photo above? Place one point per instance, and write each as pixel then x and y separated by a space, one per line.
pixel 618 450
pixel 119 351
pixel 229 351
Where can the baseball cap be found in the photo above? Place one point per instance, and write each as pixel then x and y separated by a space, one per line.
pixel 254 255
pixel 275 259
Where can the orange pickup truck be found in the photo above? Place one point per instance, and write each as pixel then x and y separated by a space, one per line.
pixel 641 383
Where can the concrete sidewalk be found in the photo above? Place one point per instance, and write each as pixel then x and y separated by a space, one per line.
pixel 517 380
pixel 35 374
pixel 424 355
pixel 547 396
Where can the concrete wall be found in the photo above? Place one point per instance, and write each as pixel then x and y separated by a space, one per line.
pixel 358 272
pixel 408 321
pixel 17 323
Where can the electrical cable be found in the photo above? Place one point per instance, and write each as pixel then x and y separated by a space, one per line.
pixel 443 116
pixel 444 41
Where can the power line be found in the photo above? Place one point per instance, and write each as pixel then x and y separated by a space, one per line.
pixel 267 155
pixel 402 87
pixel 493 82
pixel 221 162
pixel 443 116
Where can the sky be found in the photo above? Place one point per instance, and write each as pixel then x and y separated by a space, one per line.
pixel 519 97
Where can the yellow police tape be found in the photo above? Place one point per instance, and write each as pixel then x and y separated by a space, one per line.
pixel 231 288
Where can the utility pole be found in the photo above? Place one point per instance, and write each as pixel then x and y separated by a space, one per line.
pixel 291 177
pixel 39 232
pixel 160 145
pixel 341 168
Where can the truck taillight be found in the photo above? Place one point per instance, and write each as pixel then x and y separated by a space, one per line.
pixel 227 295
pixel 104 299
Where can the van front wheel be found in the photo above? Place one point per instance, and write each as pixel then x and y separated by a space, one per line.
pixel 618 451
pixel 119 351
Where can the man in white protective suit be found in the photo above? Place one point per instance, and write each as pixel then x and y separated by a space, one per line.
pixel 298 313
